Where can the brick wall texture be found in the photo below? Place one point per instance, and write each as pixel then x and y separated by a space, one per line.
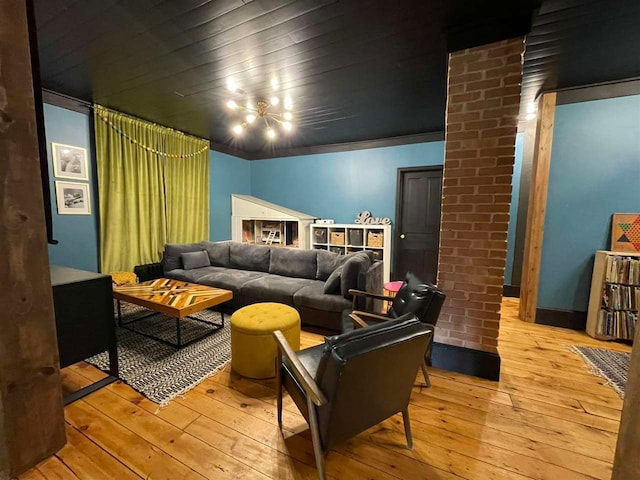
pixel 483 103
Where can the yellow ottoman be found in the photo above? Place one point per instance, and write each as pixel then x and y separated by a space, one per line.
pixel 253 349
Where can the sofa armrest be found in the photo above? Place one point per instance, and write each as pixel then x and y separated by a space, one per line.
pixel 149 271
pixel 371 281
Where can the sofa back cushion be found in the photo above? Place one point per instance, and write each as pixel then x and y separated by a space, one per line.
pixel 249 257
pixel 218 253
pixel 171 259
pixel 327 263
pixel 293 262
pixel 191 260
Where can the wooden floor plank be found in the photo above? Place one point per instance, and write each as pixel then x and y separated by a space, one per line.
pixel 135 452
pixel 544 453
pixel 88 460
pixel 197 455
pixel 174 413
pixel 53 469
pixel 499 457
pixel 548 417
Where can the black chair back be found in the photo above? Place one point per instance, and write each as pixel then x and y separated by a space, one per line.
pixel 422 299
pixel 367 376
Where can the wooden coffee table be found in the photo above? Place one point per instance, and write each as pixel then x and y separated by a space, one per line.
pixel 174 298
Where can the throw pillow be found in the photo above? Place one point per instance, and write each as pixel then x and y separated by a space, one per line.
pixel 358 263
pixel 171 259
pixel 193 260
pixel 332 285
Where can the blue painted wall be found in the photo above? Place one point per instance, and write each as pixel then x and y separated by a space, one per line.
pixel 229 175
pixel 77 235
pixel 513 211
pixel 339 185
pixel 595 172
pixel 332 185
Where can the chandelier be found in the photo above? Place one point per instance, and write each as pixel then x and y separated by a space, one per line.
pixel 263 111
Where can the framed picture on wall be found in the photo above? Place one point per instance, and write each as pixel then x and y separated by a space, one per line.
pixel 625 232
pixel 73 198
pixel 69 161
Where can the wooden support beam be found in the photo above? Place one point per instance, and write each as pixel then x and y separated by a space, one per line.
pixel 626 465
pixel 31 415
pixel 537 207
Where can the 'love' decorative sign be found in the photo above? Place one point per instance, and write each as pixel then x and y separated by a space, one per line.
pixel 366 219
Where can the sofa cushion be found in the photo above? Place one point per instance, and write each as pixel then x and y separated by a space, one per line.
pixel 293 262
pixel 275 288
pixel 218 253
pixel 230 278
pixel 249 257
pixel 171 259
pixel 313 296
pixel 192 276
pixel 191 260
pixel 352 268
pixel 327 263
pixel 332 285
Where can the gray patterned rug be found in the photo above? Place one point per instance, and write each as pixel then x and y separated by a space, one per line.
pixel 158 371
pixel 609 364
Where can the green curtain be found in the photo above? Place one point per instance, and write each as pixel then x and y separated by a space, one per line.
pixel 187 190
pixel 146 196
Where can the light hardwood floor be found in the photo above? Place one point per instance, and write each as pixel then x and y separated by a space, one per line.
pixel 547 418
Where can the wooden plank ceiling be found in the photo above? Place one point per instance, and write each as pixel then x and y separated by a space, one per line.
pixel 355 70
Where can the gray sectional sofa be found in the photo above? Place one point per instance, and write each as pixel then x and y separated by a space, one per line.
pixel 278 274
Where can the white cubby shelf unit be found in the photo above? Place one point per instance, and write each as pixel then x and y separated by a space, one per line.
pixel 345 238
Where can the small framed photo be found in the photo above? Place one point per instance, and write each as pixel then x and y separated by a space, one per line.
pixel 73 198
pixel 69 162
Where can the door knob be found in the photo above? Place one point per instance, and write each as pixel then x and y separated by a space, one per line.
pixel 402 235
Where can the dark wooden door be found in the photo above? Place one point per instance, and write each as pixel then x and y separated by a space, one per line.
pixel 417 231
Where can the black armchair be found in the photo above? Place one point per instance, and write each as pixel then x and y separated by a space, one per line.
pixel 415 296
pixel 354 381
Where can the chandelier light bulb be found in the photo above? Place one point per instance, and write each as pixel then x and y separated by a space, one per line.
pixel 237 129
pixel 232 86
pixel 287 126
pixel 275 101
pixel 232 105
pixel 288 103
pixel 274 83
pixel 287 116
pixel 251 118
pixel 271 134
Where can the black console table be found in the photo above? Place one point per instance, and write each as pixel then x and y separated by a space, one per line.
pixel 83 303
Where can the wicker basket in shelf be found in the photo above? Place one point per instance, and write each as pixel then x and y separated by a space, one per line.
pixel 337 238
pixel 375 239
pixel 320 235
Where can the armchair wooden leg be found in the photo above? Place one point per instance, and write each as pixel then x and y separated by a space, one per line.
pixel 407 428
pixel 279 385
pixel 315 438
pixel 425 373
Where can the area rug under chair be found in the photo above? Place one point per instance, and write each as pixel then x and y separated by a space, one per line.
pixel 158 371
pixel 609 364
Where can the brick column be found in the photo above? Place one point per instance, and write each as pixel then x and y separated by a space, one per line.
pixel 481 122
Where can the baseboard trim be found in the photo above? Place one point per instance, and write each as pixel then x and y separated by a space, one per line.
pixel 512 291
pixel 477 363
pixel 562 318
